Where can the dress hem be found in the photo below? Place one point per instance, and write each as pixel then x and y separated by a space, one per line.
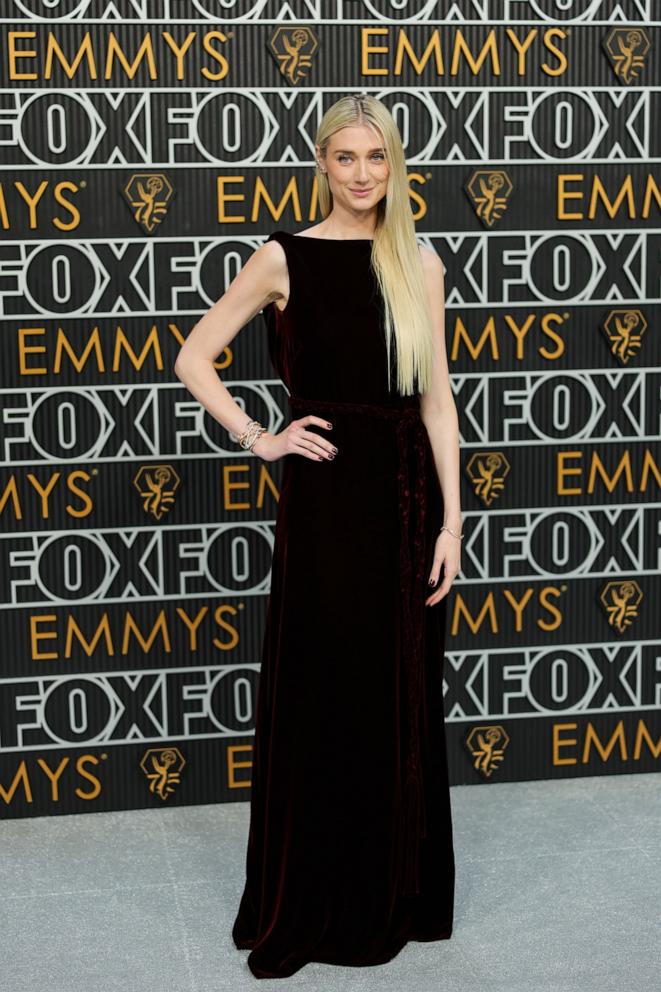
pixel 388 955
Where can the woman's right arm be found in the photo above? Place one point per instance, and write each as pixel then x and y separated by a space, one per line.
pixel 262 279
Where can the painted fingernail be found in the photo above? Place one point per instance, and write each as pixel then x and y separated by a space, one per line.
pixel 432 582
pixel 329 425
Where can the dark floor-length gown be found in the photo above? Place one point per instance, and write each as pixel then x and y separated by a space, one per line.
pixel 350 851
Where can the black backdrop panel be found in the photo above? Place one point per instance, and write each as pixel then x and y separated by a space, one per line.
pixel 147 147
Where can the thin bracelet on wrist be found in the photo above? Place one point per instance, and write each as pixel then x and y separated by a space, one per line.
pixel 458 536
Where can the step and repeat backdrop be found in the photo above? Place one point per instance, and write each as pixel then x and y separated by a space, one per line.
pixel 147 148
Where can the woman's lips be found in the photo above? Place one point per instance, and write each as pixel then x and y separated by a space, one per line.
pixel 360 192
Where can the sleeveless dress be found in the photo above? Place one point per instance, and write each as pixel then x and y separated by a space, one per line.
pixel 350 851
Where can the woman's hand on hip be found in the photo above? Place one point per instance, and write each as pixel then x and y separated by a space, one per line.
pixel 295 439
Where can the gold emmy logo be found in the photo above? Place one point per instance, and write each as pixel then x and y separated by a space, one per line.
pixel 620 601
pixel 487 471
pixel 624 330
pixel 163 766
pixel 157 485
pixel 293 49
pixel 627 50
pixel 489 190
pixel 148 195
pixel 487 746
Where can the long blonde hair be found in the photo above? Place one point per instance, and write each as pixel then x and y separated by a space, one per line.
pixel 395 254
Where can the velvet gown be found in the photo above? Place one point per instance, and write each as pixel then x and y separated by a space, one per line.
pixel 350 851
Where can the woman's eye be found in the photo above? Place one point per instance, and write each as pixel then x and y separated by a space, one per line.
pixel 377 155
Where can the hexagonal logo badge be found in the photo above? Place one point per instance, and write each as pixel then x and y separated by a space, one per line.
pixel 489 191
pixel 620 601
pixel 624 330
pixel 163 766
pixel 487 471
pixel 627 50
pixel 487 747
pixel 157 485
pixel 293 48
pixel 148 194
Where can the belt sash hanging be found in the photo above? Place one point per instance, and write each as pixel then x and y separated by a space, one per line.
pixel 409 427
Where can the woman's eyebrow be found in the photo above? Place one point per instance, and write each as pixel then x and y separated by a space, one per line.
pixel 349 151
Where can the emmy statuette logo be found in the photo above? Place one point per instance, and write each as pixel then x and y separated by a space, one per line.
pixel 487 747
pixel 148 194
pixel 489 191
pixel 487 471
pixel 157 485
pixel 627 50
pixel 620 601
pixel 293 48
pixel 163 766
pixel 624 330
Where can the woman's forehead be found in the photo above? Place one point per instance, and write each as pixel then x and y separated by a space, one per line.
pixel 354 137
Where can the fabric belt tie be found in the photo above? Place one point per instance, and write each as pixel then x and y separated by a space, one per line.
pixel 410 433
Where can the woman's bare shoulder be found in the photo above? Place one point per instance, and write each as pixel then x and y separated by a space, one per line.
pixel 268 264
pixel 432 261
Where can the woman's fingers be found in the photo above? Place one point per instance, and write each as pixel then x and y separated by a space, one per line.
pixel 433 580
pixel 310 444
pixel 436 565
pixel 310 418
pixel 303 445
pixel 449 575
pixel 442 591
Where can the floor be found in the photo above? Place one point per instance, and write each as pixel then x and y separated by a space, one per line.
pixel 558 890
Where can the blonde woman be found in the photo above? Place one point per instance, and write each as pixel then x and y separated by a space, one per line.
pixel 350 851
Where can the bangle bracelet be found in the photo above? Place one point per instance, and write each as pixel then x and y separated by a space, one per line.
pixel 458 536
pixel 256 439
pixel 253 430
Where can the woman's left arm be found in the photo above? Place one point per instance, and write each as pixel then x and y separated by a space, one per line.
pixel 439 413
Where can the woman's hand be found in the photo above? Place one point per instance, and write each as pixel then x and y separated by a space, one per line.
pixel 296 440
pixel 447 552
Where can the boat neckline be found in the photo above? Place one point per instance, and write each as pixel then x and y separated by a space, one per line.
pixel 310 237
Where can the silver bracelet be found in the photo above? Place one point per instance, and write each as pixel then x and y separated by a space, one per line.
pixel 458 536
pixel 251 433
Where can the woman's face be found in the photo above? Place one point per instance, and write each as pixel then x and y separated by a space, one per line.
pixel 356 166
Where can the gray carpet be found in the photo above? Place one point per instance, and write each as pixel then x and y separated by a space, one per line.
pixel 558 890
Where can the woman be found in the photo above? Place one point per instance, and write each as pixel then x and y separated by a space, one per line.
pixel 350 849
